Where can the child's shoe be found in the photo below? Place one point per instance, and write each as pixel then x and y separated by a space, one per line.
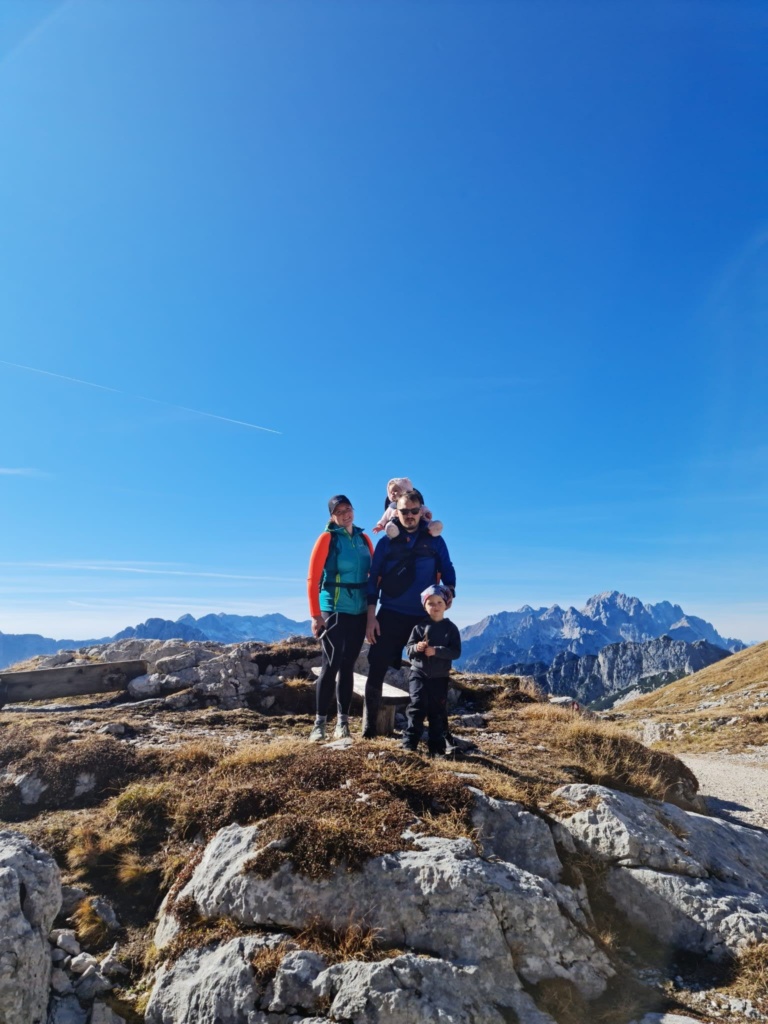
pixel 435 528
pixel 393 530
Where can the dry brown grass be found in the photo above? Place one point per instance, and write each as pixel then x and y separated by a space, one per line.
pixel 749 976
pixel 539 747
pixel 91 930
pixel 321 795
pixel 610 758
pixel 266 960
pixel 202 933
pixel 58 760
pixel 297 696
pixel 354 942
pixel 493 692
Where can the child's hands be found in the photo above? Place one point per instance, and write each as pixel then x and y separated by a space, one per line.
pixel 377 529
pixel 430 652
pixel 421 646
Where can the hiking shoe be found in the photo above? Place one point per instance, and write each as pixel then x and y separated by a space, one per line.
pixel 318 733
pixel 341 732
pixel 369 734
pixel 413 747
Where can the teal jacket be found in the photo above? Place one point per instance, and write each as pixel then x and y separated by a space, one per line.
pixel 338 571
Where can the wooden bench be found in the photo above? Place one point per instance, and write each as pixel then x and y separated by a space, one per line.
pixel 391 697
pixel 68 681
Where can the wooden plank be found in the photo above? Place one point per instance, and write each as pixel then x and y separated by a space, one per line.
pixel 389 694
pixel 68 681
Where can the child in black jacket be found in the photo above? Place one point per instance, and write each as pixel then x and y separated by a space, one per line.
pixel 433 644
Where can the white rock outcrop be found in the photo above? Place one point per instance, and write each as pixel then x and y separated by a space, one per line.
pixel 695 882
pixel 476 918
pixel 30 897
pixel 215 983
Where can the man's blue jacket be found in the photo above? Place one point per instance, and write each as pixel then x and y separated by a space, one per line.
pixel 431 562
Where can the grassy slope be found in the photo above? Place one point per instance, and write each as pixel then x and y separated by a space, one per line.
pixel 176 777
pixel 725 706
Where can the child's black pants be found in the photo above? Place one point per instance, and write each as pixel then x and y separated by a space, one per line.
pixel 429 699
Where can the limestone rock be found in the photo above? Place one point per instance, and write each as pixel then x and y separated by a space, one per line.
pixel 698 883
pixel 209 985
pixel 292 987
pixel 507 831
pixel 668 1018
pixel 112 729
pixel 410 988
pixel 91 984
pixel 60 982
pixel 227 680
pixel 441 898
pixel 85 782
pixel 176 663
pixel 110 966
pixel 145 686
pixel 105 912
pixel 67 1010
pixel 30 897
pixel 29 786
pixel 474 721
pixel 82 962
pixel 65 939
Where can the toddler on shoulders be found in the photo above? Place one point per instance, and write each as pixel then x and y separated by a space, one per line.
pixel 396 488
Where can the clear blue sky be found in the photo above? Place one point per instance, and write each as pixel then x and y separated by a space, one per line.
pixel 517 251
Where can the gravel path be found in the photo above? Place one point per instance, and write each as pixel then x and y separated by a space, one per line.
pixel 735 785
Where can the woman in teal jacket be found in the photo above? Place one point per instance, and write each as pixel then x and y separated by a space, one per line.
pixel 336 587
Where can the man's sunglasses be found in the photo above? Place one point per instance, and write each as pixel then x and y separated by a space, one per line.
pixel 409 511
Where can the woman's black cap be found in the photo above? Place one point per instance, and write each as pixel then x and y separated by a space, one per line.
pixel 336 500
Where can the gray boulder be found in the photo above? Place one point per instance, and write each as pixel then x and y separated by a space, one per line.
pixel 507 831
pixel 293 985
pixel 209 985
pixel 414 988
pixel 67 1010
pixel 697 883
pixel 440 898
pixel 30 897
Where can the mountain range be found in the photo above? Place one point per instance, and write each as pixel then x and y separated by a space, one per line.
pixel 596 653
pixel 538 635
pixel 227 629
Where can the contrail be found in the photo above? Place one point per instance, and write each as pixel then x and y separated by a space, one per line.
pixel 111 567
pixel 141 398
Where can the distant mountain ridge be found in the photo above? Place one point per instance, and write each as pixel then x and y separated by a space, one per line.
pixel 539 635
pixel 233 629
pixel 619 669
pixel 223 628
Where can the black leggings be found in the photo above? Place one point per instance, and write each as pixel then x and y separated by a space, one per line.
pixel 342 642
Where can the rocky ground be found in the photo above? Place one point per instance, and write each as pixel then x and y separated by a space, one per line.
pixel 185 856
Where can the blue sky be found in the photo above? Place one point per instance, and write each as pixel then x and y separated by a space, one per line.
pixel 515 251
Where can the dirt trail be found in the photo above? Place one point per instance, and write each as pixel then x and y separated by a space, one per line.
pixel 735 785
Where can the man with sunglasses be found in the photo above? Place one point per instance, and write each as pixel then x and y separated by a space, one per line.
pixel 402 568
